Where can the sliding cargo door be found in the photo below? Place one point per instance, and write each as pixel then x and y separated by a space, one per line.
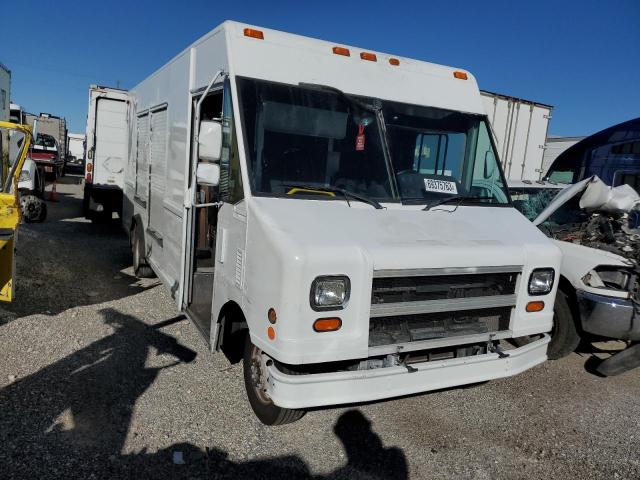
pixel 157 181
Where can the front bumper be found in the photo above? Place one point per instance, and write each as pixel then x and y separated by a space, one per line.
pixel 316 390
pixel 608 317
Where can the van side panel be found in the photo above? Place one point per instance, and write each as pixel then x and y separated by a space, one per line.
pixel 166 96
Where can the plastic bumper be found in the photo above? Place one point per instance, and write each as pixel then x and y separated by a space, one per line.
pixel 316 390
pixel 608 317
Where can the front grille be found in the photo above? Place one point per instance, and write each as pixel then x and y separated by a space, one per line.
pixel 440 287
pixel 430 326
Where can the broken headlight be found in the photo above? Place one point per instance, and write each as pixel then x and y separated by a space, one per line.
pixel 608 277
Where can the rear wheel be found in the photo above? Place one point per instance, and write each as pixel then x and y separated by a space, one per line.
pixel 255 379
pixel 564 335
pixel 140 266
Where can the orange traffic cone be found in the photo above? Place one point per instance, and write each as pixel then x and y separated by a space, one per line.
pixel 53 196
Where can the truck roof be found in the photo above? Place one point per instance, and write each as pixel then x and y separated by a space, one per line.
pixel 289 58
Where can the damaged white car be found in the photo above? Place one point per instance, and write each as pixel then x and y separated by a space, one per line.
pixel 597 228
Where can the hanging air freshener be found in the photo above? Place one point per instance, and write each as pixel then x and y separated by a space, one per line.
pixel 360 139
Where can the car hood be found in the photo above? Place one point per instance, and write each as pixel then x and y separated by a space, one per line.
pixel 401 237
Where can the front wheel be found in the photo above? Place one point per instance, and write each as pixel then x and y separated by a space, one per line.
pixel 255 378
pixel 564 335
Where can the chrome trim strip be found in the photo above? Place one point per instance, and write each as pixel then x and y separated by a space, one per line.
pixel 425 272
pixel 438 342
pixel 437 306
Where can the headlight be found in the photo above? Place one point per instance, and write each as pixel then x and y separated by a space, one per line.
pixel 25 176
pixel 330 292
pixel 541 281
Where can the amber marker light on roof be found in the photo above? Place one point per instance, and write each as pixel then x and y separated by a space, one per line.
pixel 250 32
pixel 368 56
pixel 394 61
pixel 460 75
pixel 342 51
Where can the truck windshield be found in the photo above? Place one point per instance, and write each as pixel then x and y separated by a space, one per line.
pixel 300 135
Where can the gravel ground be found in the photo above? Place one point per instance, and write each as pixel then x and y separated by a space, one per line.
pixel 100 377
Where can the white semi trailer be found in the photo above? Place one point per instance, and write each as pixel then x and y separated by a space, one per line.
pixel 334 216
pixel 520 127
pixel 107 148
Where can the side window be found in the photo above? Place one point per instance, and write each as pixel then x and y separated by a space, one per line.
pixel 231 190
pixel 486 170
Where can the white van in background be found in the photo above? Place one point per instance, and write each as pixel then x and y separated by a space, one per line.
pixel 106 152
pixel 335 217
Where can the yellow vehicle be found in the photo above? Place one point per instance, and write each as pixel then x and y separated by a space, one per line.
pixel 14 144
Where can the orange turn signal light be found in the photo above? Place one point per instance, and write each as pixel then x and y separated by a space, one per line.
pixel 394 61
pixel 342 51
pixel 327 324
pixel 460 75
pixel 271 333
pixel 368 56
pixel 537 306
pixel 89 167
pixel 250 32
pixel 271 315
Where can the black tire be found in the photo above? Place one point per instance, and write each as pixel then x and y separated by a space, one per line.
pixel 564 335
pixel 43 212
pixel 266 411
pixel 140 266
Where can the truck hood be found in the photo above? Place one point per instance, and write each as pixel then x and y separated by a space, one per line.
pixel 405 237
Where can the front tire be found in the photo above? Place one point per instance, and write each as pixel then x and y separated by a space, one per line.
pixel 254 382
pixel 564 336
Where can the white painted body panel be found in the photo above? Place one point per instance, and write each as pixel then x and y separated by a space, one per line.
pixel 268 250
pixel 520 127
pixel 76 145
pixel 107 136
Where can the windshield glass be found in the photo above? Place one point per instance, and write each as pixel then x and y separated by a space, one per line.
pixel 315 137
pixel 532 201
pixel 304 136
pixel 439 152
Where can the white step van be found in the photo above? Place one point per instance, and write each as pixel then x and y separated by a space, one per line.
pixel 337 218
pixel 107 150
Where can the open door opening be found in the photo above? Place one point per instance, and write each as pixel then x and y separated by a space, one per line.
pixel 205 172
pixel 14 144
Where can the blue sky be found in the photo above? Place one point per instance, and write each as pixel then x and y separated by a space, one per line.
pixel 580 56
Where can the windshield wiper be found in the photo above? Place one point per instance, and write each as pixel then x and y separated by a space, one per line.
pixel 459 198
pixel 345 193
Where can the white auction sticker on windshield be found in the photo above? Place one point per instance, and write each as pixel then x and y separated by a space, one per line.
pixel 440 186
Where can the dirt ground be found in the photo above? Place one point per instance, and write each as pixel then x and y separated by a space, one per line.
pixel 100 377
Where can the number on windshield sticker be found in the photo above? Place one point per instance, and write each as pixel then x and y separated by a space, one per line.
pixel 440 186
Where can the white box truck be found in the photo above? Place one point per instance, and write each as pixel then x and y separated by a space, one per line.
pixel 106 152
pixel 335 217
pixel 520 128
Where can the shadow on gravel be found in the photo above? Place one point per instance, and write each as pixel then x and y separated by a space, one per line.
pixel 67 261
pixel 71 420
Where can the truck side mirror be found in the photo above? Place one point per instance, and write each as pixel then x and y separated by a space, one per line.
pixel 210 141
pixel 208 174
pixel 34 130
